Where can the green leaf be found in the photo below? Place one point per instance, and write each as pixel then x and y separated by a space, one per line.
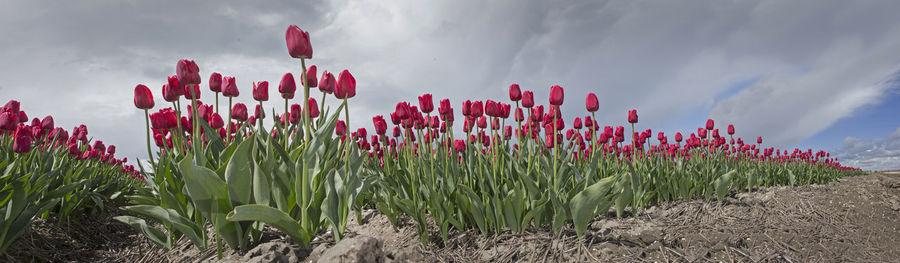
pixel 273 217
pixel 238 175
pixel 155 235
pixel 170 216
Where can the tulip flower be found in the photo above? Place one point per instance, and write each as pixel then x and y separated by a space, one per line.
pixel 216 122
pixel 515 94
pixel 22 116
pixel 577 123
pixel 527 99
pixel 632 116
pixel 759 140
pixel 192 92
pixel 327 83
pixel 287 87
pixel 491 108
pixel 313 108
pixel 340 129
pixel 215 82
pixel 298 44
pixel 229 87
pixel 239 112
pixel 296 114
pixel 730 129
pixel 380 124
pixel 22 140
pixel 311 81
pixel 710 124
pixel 143 99
pixel 477 109
pixel 426 103
pixel 467 108
pixel 591 102
pixel 261 91
pixel 47 123
pixel 11 106
pixel 259 112
pixel 556 95
pixel 346 85
pixel 187 72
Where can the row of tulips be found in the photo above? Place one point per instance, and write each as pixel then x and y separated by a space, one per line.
pixel 309 170
pixel 45 170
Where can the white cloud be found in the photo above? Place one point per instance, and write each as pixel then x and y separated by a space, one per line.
pixel 876 154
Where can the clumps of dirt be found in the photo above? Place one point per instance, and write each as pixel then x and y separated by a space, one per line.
pixel 854 219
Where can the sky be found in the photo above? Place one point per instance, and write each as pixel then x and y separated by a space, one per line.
pixel 806 73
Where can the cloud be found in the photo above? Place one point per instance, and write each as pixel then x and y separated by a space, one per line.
pixel 875 154
pixel 816 61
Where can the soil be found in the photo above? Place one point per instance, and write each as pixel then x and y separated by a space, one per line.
pixel 855 219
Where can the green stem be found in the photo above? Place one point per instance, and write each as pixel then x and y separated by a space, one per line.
pixel 149 151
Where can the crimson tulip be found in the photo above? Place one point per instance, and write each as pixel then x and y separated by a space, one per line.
pixel 591 102
pixel 710 124
pixel 426 103
pixel 261 91
pixel 259 112
pixel 47 123
pixel 556 95
pixel 215 82
pixel 287 87
pixel 188 72
pixel 298 44
pixel 459 145
pixel 759 140
pixel 192 92
pixel 229 87
pixel 311 81
pixel 296 114
pixel 477 109
pixel 527 99
pixel 730 129
pixel 239 112
pixel 346 85
pixel 632 116
pixel 515 94
pixel 340 129
pixel 313 108
pixel 22 140
pixel 216 122
pixel 143 98
pixel 380 124
pixel 327 83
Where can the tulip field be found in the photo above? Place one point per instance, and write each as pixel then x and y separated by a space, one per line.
pixel 299 164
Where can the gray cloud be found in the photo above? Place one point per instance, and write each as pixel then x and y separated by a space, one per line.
pixel 669 60
pixel 875 154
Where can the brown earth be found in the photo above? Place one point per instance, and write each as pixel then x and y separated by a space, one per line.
pixel 856 219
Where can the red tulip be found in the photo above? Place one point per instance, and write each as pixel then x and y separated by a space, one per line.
pixel 22 140
pixel 549 141
pixel 313 108
pixel 188 72
pixel 477 109
pixel 11 106
pixel 577 123
pixel 380 124
pixel 239 112
pixel 22 116
pixel 515 94
pixel 229 87
pixel 491 108
pixel 632 116
pixel 730 129
pixel 759 140
pixel 426 103
pixel 402 111
pixel 188 94
pixel 296 113
pixel 261 91
pixel 47 123
pixel 327 83
pixel 340 129
pixel 215 82
pixel 710 124
pixel 143 98
pixel 556 95
pixel 259 112
pixel 175 86
pixel 311 81
pixel 215 121
pixel 527 99
pixel 591 102
pixel 459 145
pixel 467 108
pixel 287 87
pixel 346 85
pixel 298 42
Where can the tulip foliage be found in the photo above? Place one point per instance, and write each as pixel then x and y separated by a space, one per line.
pixel 308 170
pixel 45 171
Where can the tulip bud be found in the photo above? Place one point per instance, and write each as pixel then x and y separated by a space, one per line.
pixel 229 87
pixel 710 124
pixel 12 106
pixel 313 108
pixel 491 108
pixel 311 81
pixel 467 108
pixel 287 87
pixel 346 85
pixel 296 113
pixel 215 82
pixel 192 92
pixel 426 103
pixel 340 129
pixel 577 123
pixel 459 145
pixel 239 112
pixel 759 140
pixel 188 72
pixel 327 83
pixel 632 116
pixel 143 99
pixel 261 91
pixel 730 129
pixel 477 109
pixel 298 44
pixel 527 99
pixel 216 122
pixel 556 95
pixel 520 116
pixel 22 140
pixel 259 112
pixel 380 124
pixel 22 116
pixel 591 102
pixel 515 94
pixel 47 123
